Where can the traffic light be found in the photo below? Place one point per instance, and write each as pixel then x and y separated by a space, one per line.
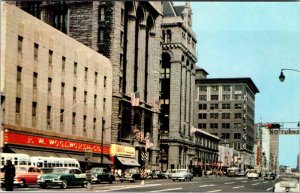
pixel 273 126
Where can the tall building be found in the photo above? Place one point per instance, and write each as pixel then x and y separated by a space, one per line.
pixel 55 91
pixel 225 107
pixel 129 34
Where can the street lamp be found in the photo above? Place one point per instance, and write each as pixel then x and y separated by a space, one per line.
pixel 282 77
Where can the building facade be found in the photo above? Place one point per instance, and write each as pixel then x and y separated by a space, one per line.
pixel 225 107
pixel 129 34
pixel 55 92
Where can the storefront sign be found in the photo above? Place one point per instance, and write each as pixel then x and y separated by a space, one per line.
pixel 284 132
pixel 121 150
pixel 37 141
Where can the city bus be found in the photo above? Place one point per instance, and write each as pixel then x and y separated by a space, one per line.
pixel 16 158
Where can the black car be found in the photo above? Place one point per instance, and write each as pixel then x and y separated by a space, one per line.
pixel 270 176
pixel 101 175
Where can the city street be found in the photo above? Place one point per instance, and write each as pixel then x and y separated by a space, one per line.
pixel 198 184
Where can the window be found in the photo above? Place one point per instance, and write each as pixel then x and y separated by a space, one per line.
pixel 225 135
pixel 122 16
pixel 202 116
pixel 226 97
pixel 225 115
pixel 104 84
pixel 237 145
pixel 19 74
pixel 20 43
pixel 214 88
pixel 214 106
pixel 36 50
pixel 238 97
pixel 74 93
pixel 202 106
pixel 50 57
pixel 34 109
pixel 202 97
pixel 202 88
pixel 237 125
pixel 202 125
pixel 94 124
pixel 169 36
pixel 62 89
pixel 121 39
pixel 236 136
pixel 214 115
pixel 101 13
pixel 103 124
pixel 104 101
pixel 238 87
pixel 84 120
pixel 75 68
pixel 18 105
pixel 48 113
pixel 73 119
pixel 49 84
pixel 226 88
pixel 214 126
pixel 226 106
pixel 35 77
pixel 100 36
pixel 238 106
pixel 237 115
pixel 85 73
pixel 95 101
pixel 225 125
pixel 61 115
pixel 214 97
pixel 96 77
pixel 85 97
pixel 63 63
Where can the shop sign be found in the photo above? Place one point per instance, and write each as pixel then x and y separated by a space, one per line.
pixel 121 150
pixel 37 141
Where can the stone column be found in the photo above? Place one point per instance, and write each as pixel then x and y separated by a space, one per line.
pixel 188 100
pixel 130 53
pixel 173 156
pixel 141 60
pixel 183 101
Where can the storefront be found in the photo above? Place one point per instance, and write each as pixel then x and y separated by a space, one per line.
pixel 123 156
pixel 34 144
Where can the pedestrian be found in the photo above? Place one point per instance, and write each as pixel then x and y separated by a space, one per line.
pixel 205 173
pixel 119 172
pixel 9 175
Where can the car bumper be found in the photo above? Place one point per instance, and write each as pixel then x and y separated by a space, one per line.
pixel 177 178
pixel 50 182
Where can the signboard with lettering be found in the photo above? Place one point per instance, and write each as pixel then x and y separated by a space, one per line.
pixel 284 132
pixel 121 150
pixel 47 142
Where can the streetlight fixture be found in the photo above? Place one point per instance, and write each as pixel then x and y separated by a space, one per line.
pixel 282 77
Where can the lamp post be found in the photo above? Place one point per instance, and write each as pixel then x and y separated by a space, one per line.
pixel 282 77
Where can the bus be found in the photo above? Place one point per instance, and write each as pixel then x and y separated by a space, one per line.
pixel 38 161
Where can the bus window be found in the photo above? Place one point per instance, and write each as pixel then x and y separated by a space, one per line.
pixel 16 161
pixel 39 164
pixel 2 161
pixel 60 165
pixel 73 164
pixel 66 164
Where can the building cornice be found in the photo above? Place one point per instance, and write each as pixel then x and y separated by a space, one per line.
pixel 168 46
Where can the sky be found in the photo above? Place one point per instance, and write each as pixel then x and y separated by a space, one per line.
pixel 256 40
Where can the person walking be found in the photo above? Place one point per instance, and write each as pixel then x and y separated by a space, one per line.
pixel 10 173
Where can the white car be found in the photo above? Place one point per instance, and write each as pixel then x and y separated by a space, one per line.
pixel 288 183
pixel 182 174
pixel 252 174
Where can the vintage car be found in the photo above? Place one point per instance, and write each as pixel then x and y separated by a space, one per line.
pixel 131 175
pixel 182 174
pixel 252 174
pixel 63 177
pixel 287 183
pixel 101 175
pixel 25 175
pixel 169 173
pixel 270 176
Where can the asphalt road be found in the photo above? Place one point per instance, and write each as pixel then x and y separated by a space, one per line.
pixel 198 184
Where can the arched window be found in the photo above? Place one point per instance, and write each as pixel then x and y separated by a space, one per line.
pixel 169 36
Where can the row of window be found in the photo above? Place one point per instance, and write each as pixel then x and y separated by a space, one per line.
pixel 206 143
pixel 216 125
pixel 216 115
pixel 227 135
pixel 225 88
pixel 225 97
pixel 213 106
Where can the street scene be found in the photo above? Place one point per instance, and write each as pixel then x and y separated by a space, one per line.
pixel 150 96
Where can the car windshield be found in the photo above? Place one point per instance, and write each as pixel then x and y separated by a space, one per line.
pixel 98 170
pixel 60 170
pixel 181 171
pixel 21 169
pixel 47 170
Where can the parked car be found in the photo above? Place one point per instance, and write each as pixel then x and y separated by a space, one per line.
pixel 169 173
pixel 287 183
pixel 63 177
pixel 270 176
pixel 101 175
pixel 131 175
pixel 182 174
pixel 252 174
pixel 156 174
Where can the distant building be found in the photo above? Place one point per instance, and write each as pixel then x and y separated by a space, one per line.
pixel 225 107
pixel 48 80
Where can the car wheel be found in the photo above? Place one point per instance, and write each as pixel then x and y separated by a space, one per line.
pixel 64 184
pixel 82 185
pixel 191 179
pixel 98 181
pixel 23 184
pixel 173 180
pixel 121 181
pixel 185 179
pixel 110 180
pixel 43 186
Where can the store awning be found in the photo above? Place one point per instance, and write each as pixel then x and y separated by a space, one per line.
pixel 80 158
pixel 64 155
pixel 98 160
pixel 128 161
pixel 34 152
